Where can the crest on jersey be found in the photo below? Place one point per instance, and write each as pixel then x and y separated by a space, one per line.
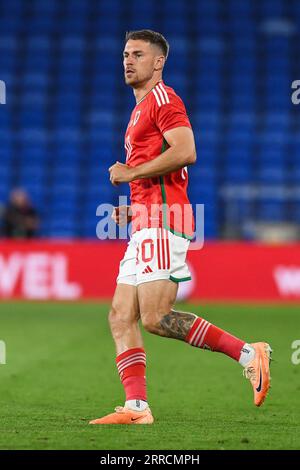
pixel 136 117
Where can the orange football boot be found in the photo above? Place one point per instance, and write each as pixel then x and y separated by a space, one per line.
pixel 123 415
pixel 258 372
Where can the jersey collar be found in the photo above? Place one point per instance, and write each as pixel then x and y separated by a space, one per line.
pixel 148 93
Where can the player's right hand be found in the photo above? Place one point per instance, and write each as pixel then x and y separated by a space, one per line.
pixel 122 215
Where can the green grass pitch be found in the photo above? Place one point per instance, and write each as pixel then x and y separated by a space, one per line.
pixel 60 372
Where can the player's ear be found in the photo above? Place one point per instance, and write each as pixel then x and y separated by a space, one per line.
pixel 159 62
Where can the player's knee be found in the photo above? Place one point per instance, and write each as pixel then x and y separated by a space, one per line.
pixel 120 318
pixel 150 323
pixel 115 317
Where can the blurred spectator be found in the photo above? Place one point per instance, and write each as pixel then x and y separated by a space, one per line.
pixel 19 218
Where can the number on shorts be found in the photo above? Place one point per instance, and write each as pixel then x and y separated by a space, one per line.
pixel 147 250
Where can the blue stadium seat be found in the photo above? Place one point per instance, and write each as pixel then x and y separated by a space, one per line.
pixel 5 174
pixel 271 211
pixel 238 174
pixel 68 107
pixel 62 227
pixel 271 175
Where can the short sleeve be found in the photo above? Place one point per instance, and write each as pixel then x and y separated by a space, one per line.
pixel 168 111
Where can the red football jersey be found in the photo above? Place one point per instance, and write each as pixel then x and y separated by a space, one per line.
pixel 160 201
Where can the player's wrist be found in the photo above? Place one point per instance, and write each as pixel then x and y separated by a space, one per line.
pixel 135 174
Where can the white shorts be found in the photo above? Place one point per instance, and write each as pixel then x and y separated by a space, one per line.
pixel 153 254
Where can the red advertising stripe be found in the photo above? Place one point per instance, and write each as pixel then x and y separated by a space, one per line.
pixel 87 270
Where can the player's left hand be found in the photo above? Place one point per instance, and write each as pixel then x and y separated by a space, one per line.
pixel 120 173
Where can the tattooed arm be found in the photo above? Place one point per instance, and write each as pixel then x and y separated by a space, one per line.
pixel 176 324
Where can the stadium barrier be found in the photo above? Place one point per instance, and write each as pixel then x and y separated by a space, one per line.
pixel 87 270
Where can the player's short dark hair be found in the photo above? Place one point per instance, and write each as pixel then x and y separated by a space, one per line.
pixel 153 37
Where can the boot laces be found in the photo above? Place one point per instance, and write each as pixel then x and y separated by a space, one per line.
pixel 119 409
pixel 249 373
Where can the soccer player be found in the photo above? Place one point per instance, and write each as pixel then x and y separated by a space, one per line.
pixel 160 145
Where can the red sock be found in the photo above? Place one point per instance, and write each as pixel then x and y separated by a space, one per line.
pixel 207 336
pixel 131 366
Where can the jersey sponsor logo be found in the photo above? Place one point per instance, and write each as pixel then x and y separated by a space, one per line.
pixel 136 117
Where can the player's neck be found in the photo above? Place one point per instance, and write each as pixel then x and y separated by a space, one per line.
pixel 142 91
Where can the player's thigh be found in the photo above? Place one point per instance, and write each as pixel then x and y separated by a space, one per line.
pixel 156 299
pixel 125 305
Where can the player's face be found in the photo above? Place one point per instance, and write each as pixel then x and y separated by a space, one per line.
pixel 139 60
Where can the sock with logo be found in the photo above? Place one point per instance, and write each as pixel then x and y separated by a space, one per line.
pixel 207 336
pixel 136 405
pixel 131 366
pixel 247 354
